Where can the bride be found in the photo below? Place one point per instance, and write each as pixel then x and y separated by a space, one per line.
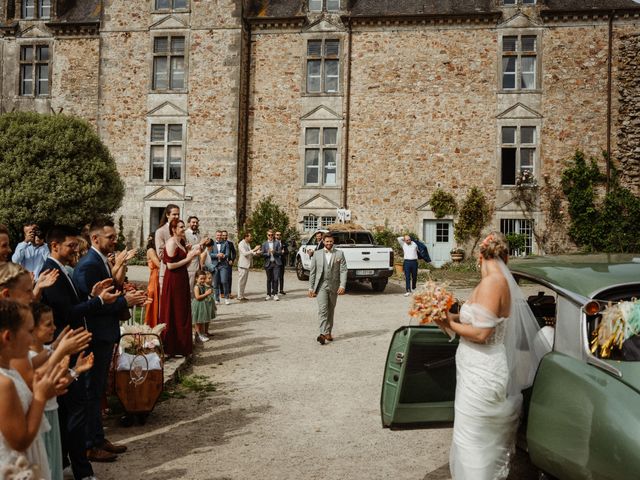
pixel 494 362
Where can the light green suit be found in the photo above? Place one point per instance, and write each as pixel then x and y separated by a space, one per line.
pixel 325 280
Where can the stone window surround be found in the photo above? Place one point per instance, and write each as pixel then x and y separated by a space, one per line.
pixel 170 9
pixel 33 42
pixel 305 57
pixel 37 10
pixel 324 7
pixel 302 155
pixel 174 120
pixel 519 32
pixel 169 33
pixel 518 122
pixel 322 220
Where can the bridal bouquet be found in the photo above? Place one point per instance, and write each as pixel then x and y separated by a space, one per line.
pixel 432 302
pixel 619 322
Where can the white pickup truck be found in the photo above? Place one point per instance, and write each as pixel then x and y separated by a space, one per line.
pixel 365 260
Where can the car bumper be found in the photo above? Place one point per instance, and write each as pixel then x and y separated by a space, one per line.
pixel 361 274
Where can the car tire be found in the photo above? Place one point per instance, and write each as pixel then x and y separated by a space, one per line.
pixel 300 273
pixel 379 285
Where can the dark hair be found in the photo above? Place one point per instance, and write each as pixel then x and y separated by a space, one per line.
pixel 100 224
pixel 151 242
pixel 246 234
pixel 208 243
pixel 59 233
pixel 11 315
pixel 165 214
pixel 327 235
pixel 200 272
pixel 4 229
pixel 191 217
pixel 38 309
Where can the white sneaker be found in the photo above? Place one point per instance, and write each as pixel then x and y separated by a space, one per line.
pixel 203 338
pixel 407 294
pixel 275 297
pixel 268 297
pixel 227 302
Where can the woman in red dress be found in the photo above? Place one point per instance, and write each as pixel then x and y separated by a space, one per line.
pixel 175 300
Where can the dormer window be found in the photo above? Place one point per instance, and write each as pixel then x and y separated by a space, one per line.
pixel 170 4
pixel 517 2
pixel 36 9
pixel 327 5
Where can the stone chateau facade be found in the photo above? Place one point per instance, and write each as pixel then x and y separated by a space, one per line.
pixel 370 105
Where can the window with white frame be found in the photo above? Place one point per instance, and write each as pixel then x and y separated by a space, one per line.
pixel 166 152
pixel 170 4
pixel 321 156
pixel 34 70
pixel 519 62
pixel 328 5
pixel 309 223
pixel 519 226
pixel 518 152
pixel 33 9
pixel 323 66
pixel 168 63
pixel 326 221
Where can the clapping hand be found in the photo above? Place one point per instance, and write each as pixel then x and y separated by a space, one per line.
pixel 83 363
pixel 47 278
pixel 105 290
pixel 50 382
pixel 74 341
pixel 135 297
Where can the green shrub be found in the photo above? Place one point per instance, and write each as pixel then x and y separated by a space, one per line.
pixel 475 214
pixel 443 203
pixel 268 215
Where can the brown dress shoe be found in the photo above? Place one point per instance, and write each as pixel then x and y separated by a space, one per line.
pixel 100 455
pixel 111 448
pixel 321 339
pixel 328 337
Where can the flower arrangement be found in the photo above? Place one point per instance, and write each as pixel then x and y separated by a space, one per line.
pixel 432 302
pixel 619 322
pixel 525 178
pixel 457 251
pixel 140 338
pixel 21 469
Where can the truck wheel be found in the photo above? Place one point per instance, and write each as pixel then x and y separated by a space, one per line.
pixel 300 270
pixel 379 285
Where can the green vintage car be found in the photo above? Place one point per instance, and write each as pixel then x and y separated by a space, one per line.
pixel 581 418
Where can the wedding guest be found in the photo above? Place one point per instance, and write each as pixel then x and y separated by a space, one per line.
pixel 231 258
pixel 153 290
pixel 410 263
pixel 192 236
pixel 200 306
pixel 271 252
pixel 171 212
pixel 284 257
pixel 245 261
pixel 175 300
pixel 5 247
pixel 32 251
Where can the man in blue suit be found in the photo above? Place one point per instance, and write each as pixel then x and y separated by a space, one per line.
pixel 104 325
pixel 272 254
pixel 219 267
pixel 70 310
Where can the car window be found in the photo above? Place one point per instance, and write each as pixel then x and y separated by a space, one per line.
pixel 353 238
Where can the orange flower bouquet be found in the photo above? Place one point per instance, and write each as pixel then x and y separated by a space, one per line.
pixel 432 302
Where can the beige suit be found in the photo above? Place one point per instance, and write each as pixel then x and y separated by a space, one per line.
pixel 162 236
pixel 245 261
pixel 325 280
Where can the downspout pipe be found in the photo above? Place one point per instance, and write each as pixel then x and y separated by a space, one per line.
pixel 243 118
pixel 347 112
pixel 609 87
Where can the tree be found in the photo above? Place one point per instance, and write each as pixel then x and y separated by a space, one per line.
pixel 55 170
pixel 475 214
pixel 267 215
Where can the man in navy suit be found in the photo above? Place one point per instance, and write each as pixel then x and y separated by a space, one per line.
pixel 70 310
pixel 272 254
pixel 104 325
pixel 219 267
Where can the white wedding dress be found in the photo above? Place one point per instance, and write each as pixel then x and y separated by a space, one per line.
pixel 490 379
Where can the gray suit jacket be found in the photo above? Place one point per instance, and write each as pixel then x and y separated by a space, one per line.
pixel 335 275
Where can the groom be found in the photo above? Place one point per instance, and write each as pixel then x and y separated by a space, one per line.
pixel 327 280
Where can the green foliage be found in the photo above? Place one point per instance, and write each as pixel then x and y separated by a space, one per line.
pixel 386 237
pixel 443 203
pixel 55 170
pixel 121 241
pixel 268 215
pixel 610 224
pixel 475 214
pixel 517 241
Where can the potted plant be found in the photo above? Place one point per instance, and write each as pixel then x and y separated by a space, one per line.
pixel 457 254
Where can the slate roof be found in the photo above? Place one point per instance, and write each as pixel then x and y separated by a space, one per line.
pixel 79 11
pixel 421 7
pixel 579 5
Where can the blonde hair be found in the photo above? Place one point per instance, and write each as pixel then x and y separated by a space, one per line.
pixel 10 274
pixel 495 245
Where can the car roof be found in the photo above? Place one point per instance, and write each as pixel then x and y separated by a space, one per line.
pixel 585 275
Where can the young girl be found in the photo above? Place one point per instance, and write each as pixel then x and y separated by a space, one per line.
pixel 21 411
pixel 211 300
pixel 44 329
pixel 200 307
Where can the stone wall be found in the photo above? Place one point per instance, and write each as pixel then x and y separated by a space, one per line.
pixel 629 111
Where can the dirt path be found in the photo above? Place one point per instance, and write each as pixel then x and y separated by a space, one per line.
pixel 285 407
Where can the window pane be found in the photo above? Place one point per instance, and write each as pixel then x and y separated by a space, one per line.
pixel 310 223
pixel 326 221
pixel 177 72
pixel 508 166
pixel 528 72
pixel 330 167
pixel 157 163
pixel 175 133
pixel 509 44
pixel 508 134
pixel 526 158
pixel 28 8
pixel 26 54
pixel 26 85
pixel 175 162
pixel 160 74
pixel 160 4
pixel 177 45
pixel 45 9
pixel 528 135
pixel 442 232
pixel 330 136
pixel 179 3
pixel 312 136
pixel 42 72
pixel 528 44
pixel 160 44
pixel 333 5
pixel 311 167
pixel 332 48
pixel 331 75
pixel 42 53
pixel 315 5
pixel 508 72
pixel 314 48
pixel 509 2
pixel 313 76
pixel 529 2
pixel 157 133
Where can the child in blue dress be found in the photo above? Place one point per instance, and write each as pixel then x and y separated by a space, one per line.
pixel 200 306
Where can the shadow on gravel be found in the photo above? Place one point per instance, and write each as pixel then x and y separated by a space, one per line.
pixel 440 473
pixel 363 333
pixel 521 469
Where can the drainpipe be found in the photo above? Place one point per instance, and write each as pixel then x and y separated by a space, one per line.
pixel 345 162
pixel 609 86
pixel 243 114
